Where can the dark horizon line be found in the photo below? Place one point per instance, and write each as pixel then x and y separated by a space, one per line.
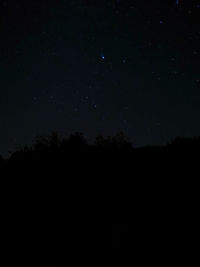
pixel 9 153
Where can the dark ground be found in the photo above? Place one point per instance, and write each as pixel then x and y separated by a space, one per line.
pixel 105 205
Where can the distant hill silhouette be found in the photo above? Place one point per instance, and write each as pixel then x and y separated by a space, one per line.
pixel 67 198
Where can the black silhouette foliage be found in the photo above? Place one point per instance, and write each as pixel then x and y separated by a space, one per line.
pixel 103 201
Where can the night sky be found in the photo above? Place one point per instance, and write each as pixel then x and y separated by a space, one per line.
pixel 99 67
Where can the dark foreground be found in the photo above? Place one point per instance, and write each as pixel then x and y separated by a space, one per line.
pixel 110 205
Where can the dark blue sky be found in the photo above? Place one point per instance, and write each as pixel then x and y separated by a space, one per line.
pixel 99 67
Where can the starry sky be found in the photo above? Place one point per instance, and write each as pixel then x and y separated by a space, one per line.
pixel 99 67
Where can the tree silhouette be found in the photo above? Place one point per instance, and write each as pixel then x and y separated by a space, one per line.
pixel 119 141
pixel 68 195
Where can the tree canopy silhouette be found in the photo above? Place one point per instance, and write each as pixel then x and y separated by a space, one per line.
pixel 66 194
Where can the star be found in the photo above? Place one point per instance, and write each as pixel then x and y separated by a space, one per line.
pixel 88 63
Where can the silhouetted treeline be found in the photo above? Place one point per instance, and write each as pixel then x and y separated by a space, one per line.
pixel 53 146
pixel 109 200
